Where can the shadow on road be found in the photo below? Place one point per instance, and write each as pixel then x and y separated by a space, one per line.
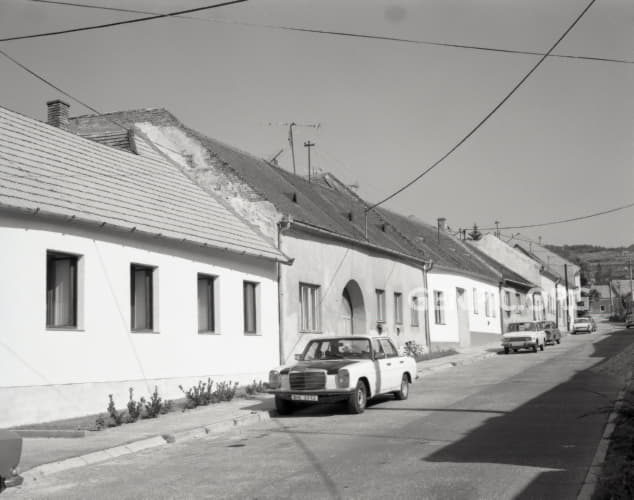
pixel 557 430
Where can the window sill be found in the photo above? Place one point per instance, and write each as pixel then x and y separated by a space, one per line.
pixel 64 329
pixel 208 333
pixel 146 332
pixel 311 331
pixel 252 334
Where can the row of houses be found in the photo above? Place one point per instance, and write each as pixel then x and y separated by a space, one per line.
pixel 613 300
pixel 137 252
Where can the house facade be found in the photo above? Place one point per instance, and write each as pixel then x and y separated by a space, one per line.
pixel 350 274
pixel 118 273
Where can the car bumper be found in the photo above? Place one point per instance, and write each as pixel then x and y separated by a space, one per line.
pixel 582 329
pixel 520 345
pixel 324 396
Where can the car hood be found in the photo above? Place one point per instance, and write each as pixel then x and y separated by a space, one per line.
pixel 331 366
pixel 515 335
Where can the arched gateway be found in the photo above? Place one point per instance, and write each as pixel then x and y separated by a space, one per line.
pixel 352 316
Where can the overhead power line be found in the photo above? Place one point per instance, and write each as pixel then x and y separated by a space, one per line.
pixel 347 34
pixel 489 114
pixel 563 221
pixel 119 23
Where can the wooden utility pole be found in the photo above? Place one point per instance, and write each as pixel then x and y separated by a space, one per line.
pixel 567 298
pixel 309 145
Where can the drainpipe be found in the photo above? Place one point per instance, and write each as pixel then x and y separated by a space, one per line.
pixel 426 269
pixel 283 225
pixel 500 291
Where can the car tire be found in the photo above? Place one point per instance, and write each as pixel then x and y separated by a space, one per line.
pixel 506 350
pixel 403 393
pixel 283 406
pixel 358 399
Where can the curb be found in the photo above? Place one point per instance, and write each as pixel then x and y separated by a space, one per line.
pixel 422 372
pixel 43 470
pixel 50 433
pixel 590 482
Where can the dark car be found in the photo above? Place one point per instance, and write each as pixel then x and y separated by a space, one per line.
pixel 10 453
pixel 553 334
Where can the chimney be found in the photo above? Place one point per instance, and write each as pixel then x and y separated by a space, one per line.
pixel 58 113
pixel 442 224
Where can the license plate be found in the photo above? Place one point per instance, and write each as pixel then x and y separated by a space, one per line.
pixel 304 397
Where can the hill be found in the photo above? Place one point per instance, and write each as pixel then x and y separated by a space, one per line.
pixel 598 264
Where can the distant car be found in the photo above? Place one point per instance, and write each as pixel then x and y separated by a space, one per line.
pixel 553 334
pixel 629 320
pixel 10 453
pixel 350 369
pixel 524 335
pixel 584 325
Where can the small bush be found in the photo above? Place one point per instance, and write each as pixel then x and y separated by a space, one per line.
pixel 225 391
pixel 100 423
pixel 116 417
pixel 198 395
pixel 416 351
pixel 134 407
pixel 154 406
pixel 254 388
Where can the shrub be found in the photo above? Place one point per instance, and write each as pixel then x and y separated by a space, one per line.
pixel 416 351
pixel 254 388
pixel 154 406
pixel 116 417
pixel 134 407
pixel 198 395
pixel 225 391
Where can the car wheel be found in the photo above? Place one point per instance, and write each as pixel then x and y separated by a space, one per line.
pixel 404 392
pixel 534 347
pixel 506 350
pixel 515 350
pixel 358 399
pixel 283 406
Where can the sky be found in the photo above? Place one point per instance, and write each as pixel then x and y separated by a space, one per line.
pixel 561 147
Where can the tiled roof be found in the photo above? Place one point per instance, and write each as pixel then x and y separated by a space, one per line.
pixel 324 203
pixel 551 261
pixel 507 274
pixel 48 170
pixel 444 249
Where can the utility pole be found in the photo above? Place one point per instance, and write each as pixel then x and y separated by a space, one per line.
pixel 309 145
pixel 629 265
pixel 497 228
pixel 291 141
pixel 567 298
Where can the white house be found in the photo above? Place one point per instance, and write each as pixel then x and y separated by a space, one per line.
pixel 118 272
pixel 348 275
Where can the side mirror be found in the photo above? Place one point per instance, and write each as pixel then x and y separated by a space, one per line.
pixel 299 357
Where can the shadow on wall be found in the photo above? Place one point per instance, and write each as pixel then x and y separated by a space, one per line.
pixel 563 437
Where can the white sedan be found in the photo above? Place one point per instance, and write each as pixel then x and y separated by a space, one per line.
pixel 351 369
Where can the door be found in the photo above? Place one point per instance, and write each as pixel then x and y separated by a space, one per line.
pixel 346 315
pixel 390 369
pixel 464 330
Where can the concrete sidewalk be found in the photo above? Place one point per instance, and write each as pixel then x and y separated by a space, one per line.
pixel 43 456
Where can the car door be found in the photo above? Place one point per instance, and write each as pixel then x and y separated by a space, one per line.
pixel 393 368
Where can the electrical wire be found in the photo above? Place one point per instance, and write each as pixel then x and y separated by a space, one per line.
pixel 119 23
pixel 347 34
pixel 489 115
pixel 563 221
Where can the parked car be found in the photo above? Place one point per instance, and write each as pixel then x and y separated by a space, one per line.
pixel 350 369
pixel 553 334
pixel 10 453
pixel 524 335
pixel 629 320
pixel 584 324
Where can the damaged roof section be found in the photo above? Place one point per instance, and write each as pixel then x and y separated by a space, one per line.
pixel 48 170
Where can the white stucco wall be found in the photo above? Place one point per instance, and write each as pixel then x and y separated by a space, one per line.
pixel 331 266
pixel 47 374
pixel 478 322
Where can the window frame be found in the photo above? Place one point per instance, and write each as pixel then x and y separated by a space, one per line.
pixel 151 306
pixel 398 308
pixel 439 307
pixel 476 306
pixel 212 316
pixel 414 313
pixel 380 305
pixel 256 307
pixel 313 303
pixel 74 268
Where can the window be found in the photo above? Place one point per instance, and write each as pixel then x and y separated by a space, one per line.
pixel 250 304
pixel 493 307
pixel 518 303
pixel 414 311
pixel 487 305
pixel 439 307
pixel 380 306
pixel 310 308
pixel 507 304
pixel 388 348
pixel 398 308
pixel 206 304
pixel 61 290
pixel 602 308
pixel 142 297
pixel 475 301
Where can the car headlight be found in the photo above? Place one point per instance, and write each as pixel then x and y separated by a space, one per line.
pixel 275 381
pixel 343 378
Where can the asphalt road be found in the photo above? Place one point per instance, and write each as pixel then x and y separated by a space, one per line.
pixel 512 426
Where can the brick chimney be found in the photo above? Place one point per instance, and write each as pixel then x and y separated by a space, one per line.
pixel 58 113
pixel 442 224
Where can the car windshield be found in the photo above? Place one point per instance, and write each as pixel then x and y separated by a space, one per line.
pixel 527 326
pixel 337 349
pixel 583 320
